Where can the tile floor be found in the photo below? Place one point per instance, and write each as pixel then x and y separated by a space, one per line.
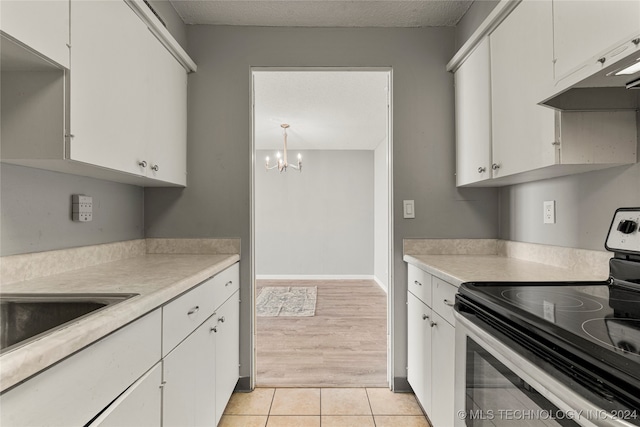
pixel 326 407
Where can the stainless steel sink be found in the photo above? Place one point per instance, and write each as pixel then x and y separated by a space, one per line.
pixel 25 317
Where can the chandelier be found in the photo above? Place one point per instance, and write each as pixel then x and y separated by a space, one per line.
pixel 282 162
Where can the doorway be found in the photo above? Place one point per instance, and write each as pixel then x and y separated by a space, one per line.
pixel 325 222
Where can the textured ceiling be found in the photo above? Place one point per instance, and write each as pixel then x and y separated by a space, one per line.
pixel 327 110
pixel 323 13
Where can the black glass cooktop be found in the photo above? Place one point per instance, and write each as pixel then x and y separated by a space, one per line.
pixel 599 314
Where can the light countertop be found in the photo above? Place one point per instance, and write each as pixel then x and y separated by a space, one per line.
pixel 457 269
pixel 157 278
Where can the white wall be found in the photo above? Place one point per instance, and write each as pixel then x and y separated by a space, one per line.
pixel 319 222
pixel 381 215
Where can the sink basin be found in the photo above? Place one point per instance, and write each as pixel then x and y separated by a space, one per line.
pixel 25 317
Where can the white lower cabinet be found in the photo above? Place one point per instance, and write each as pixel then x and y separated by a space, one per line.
pixel 189 380
pixel 144 374
pixel 90 379
pixel 419 350
pixel 138 406
pixel 227 354
pixel 431 351
pixel 201 348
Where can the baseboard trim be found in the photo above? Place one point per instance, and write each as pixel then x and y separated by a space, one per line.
pixel 382 285
pixel 315 277
pixel 243 385
pixel 401 385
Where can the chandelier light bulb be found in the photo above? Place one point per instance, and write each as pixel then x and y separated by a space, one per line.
pixel 283 163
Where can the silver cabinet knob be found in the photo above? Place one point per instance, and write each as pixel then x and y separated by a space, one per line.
pixel 425 317
pixel 221 319
pixel 230 282
pixel 495 166
pixel 417 283
pixel 432 323
pixel 482 169
pixel 194 310
pixel 214 330
pixel 636 41
pixel 155 168
pixel 602 60
pixel 142 164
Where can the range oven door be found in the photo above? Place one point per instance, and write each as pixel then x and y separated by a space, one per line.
pixel 495 386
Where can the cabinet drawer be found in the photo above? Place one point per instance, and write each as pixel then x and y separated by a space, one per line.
pixel 225 284
pixel 183 315
pixel 419 283
pixel 444 295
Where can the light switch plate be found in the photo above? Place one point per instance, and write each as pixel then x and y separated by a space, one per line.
pixel 409 209
pixel 549 211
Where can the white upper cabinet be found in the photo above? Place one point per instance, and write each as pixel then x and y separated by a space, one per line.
pixel 119 112
pixel 499 85
pixel 473 117
pixel 586 30
pixel 109 81
pixel 166 123
pixel 521 72
pixel 128 104
pixel 43 26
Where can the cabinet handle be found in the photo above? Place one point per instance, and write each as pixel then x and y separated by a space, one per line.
pixel 635 41
pixel 495 166
pixel 214 330
pixel 228 283
pixel 142 164
pixel 155 168
pixel 432 323
pixel 162 384
pixel 447 302
pixel 193 310
pixel 417 283
pixel 602 60
pixel 221 319
pixel 482 169
pixel 425 317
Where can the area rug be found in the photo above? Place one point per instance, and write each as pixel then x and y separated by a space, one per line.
pixel 274 301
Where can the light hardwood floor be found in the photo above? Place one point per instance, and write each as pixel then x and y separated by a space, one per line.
pixel 343 345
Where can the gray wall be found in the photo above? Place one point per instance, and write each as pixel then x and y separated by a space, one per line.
pixel 476 13
pixel 585 204
pixel 318 222
pixel 216 202
pixel 35 207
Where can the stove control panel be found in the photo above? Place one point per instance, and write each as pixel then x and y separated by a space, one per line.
pixel 624 233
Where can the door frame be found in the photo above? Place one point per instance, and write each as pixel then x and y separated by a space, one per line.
pixel 390 259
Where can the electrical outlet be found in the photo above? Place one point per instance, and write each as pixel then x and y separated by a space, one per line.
pixel 81 208
pixel 549 212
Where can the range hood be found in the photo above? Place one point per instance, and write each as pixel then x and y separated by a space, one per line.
pixel 602 87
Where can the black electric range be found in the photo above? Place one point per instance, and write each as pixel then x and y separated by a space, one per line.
pixel 588 333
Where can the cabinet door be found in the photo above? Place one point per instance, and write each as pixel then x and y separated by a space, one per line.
pixel 227 352
pixel 188 395
pixel 443 373
pixel 473 117
pixel 166 138
pixel 583 29
pixel 521 73
pixel 419 350
pixel 41 25
pixel 138 406
pixel 108 84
